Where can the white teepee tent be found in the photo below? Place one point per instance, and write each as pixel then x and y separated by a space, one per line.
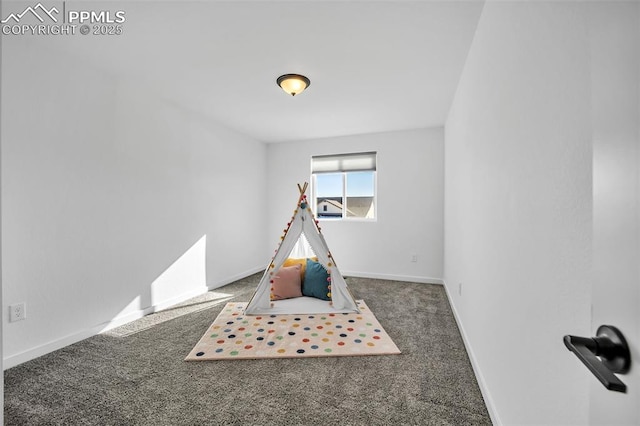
pixel 302 229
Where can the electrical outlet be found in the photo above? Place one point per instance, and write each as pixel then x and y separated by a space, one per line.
pixel 17 312
pixel 414 257
pixel 459 289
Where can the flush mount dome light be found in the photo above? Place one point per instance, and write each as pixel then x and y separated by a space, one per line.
pixel 293 83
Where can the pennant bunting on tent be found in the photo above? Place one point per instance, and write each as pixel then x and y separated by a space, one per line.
pixel 334 298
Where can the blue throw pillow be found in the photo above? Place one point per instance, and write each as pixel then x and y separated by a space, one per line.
pixel 315 282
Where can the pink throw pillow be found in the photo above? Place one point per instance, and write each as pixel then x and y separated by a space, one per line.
pixel 286 283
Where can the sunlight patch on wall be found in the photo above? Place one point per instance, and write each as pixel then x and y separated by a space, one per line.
pixel 185 277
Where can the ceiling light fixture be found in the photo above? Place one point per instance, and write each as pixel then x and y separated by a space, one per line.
pixel 293 83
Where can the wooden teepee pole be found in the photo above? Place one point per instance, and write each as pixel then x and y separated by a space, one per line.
pixel 302 190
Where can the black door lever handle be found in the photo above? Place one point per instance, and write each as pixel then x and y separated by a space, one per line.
pixel 611 346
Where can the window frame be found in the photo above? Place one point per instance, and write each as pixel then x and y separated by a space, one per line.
pixel 344 176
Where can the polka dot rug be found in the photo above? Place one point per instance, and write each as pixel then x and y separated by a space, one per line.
pixel 236 336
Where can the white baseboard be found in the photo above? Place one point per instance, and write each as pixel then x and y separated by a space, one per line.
pixel 491 408
pixel 38 351
pixel 33 353
pixel 237 277
pixel 407 278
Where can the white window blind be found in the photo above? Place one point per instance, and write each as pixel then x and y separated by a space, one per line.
pixel 356 162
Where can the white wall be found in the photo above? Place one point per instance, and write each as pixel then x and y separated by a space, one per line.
pixel 2 318
pixel 409 209
pixel 115 201
pixel 518 209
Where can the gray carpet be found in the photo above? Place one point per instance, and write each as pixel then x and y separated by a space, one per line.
pixel 135 375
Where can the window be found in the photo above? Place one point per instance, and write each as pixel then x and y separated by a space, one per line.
pixel 344 186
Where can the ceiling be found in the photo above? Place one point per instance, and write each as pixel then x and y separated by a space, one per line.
pixel 374 66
